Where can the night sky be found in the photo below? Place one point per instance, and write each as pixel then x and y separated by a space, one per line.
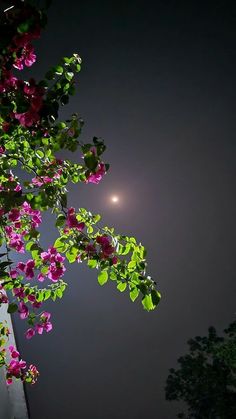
pixel 158 83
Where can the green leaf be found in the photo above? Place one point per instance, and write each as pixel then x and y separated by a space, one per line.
pixel 147 302
pixel 156 296
pixel 59 293
pixel 47 294
pixel 122 286
pixel 113 275
pixel 60 220
pixel 131 265
pixel 90 160
pixel 39 153
pixel 134 293
pixel 103 277
pixel 69 75
pixel 12 308
pixel 71 255
pixel 58 70
pixel 60 245
pixel 29 245
pixel 92 263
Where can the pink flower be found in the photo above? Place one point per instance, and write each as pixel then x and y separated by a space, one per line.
pixel 45 316
pixel 36 219
pixel 39 328
pixel 17 243
pixel 55 272
pixel 33 372
pixel 18 64
pixel 21 266
pixel 27 268
pixel 48 326
pixel 29 333
pixel 27 119
pixel 14 352
pixel 15 367
pixel 41 277
pixel 45 256
pixel 14 214
pixel 3 298
pixel 29 272
pixel 114 260
pixel 9 381
pixel 106 247
pixel 13 273
pixel 26 207
pixel 23 310
pixel 19 292
pixel 31 298
pixel 29 89
pixel 18 188
pixel 90 249
pixel 98 175
pixel 37 304
pixel 30 57
pixel 71 220
pixel 2 150
pixel 37 181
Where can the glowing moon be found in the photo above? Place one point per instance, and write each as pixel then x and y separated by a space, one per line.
pixel 115 199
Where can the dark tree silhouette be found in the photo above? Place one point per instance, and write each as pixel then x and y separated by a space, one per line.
pixel 206 379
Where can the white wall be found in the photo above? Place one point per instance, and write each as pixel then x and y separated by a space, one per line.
pixel 12 398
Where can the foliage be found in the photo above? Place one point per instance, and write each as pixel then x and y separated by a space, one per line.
pixel 206 379
pixel 30 137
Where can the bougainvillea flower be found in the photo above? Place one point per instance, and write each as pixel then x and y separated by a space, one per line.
pixel 98 175
pixel 23 310
pixel 72 222
pixel 29 333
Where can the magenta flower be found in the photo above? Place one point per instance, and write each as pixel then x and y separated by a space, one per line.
pixel 13 351
pixel 106 247
pixel 29 272
pixel 31 298
pixel 29 333
pixel 47 326
pixel 114 260
pixel 56 272
pixel 30 57
pixel 19 292
pixel 45 316
pixel 41 277
pixel 3 298
pixel 14 214
pixel 23 310
pixel 71 220
pixel 13 273
pixel 14 368
pixel 98 175
pixel 16 242
pixel 39 328
pixel 27 268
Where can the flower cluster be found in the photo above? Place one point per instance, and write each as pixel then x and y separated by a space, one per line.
pixel 33 96
pixel 105 251
pixel 44 324
pixel 72 222
pixel 98 175
pixel 17 368
pixel 30 137
pixel 54 261
pixel 20 222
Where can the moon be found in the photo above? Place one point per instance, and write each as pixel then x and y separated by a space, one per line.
pixel 114 199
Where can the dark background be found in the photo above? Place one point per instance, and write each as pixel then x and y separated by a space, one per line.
pixel 158 84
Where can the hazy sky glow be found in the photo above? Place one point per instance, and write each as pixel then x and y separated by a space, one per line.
pixel 158 84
